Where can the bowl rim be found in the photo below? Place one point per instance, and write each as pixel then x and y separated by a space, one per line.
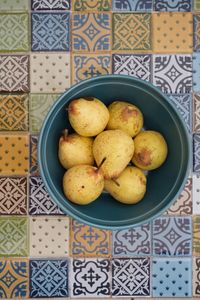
pixel 45 178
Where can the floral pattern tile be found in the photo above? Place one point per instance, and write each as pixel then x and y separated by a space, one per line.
pixel 50 32
pixel 49 72
pixel 13 195
pixel 13 236
pixel 90 277
pixel 196 235
pixel 14 32
pixel 34 170
pixel 172 236
pixel 132 241
pixel 91 5
pixel 136 65
pixel 196 276
pixel 196 112
pixel 48 278
pixel 196 35
pixel 132 5
pixel 14 73
pixel 9 5
pixel 50 5
pixel 131 31
pixel 196 72
pixel 39 105
pixel 14 153
pixel 40 202
pixel 183 205
pixel 13 112
pixel 89 241
pixel 91 32
pixel 173 5
pixel 172 277
pixel 196 152
pixel 49 236
pixel 130 277
pixel 173 73
pixel 14 278
pixel 196 194
pixel 90 65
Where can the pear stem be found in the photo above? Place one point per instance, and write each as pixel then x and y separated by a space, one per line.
pixel 101 164
pixel 115 181
pixel 65 134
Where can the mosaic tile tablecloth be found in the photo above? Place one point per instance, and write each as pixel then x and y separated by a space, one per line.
pixel 45 47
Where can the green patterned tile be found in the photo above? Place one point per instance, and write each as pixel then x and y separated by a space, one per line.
pixel 196 4
pixel 13 32
pixel 39 106
pixel 15 5
pixel 13 236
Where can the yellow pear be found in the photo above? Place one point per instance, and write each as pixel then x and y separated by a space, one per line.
pixel 88 116
pixel 117 148
pixel 125 116
pixel 83 184
pixel 75 150
pixel 150 150
pixel 129 187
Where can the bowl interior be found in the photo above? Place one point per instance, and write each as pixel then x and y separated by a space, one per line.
pixel 163 184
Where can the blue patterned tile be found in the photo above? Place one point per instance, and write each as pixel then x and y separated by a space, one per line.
pixel 172 236
pixel 50 31
pixel 91 32
pixel 196 72
pixel 172 5
pixel 50 5
pixel 172 277
pixel 136 65
pixel 131 277
pixel 196 152
pixel 183 104
pixel 132 5
pixel 48 278
pixel 173 73
pixel 132 241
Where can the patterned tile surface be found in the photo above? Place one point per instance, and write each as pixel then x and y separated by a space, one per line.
pixel 172 277
pixel 196 72
pixel 196 152
pixel 14 278
pixel 90 277
pixel 132 241
pixel 91 5
pixel 131 31
pixel 196 235
pixel 196 193
pixel 14 112
pixel 34 170
pixel 196 4
pixel 132 5
pixel 196 112
pixel 196 276
pixel 172 5
pixel 48 278
pixel 50 4
pixel 9 5
pixel 130 276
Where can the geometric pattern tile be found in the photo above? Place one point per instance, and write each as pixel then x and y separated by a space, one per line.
pixel 88 241
pixel 14 278
pixel 196 235
pixel 172 277
pixel 132 5
pixel 183 104
pixel 14 154
pixel 9 5
pixel 173 73
pixel 133 65
pixel 50 4
pixel 14 112
pixel 172 32
pixel 131 31
pixel 14 73
pixel 196 276
pixel 183 205
pixel 131 277
pixel 14 32
pixel 39 105
pixel 34 170
pixel 196 194
pixel 91 32
pixel 49 72
pixel 13 236
pixel 196 35
pixel 196 152
pixel 40 202
pixel 90 277
pixel 174 5
pixel 196 72
pixel 132 241
pixel 172 236
pixel 91 5
pixel 50 32
pixel 89 65
pixel 196 112
pixel 48 278
pixel 13 195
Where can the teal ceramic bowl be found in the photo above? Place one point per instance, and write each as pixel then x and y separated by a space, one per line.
pixel 163 184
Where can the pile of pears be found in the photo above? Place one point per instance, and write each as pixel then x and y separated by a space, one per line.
pixel 109 150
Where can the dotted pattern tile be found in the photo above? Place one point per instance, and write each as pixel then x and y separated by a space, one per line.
pixel 46 46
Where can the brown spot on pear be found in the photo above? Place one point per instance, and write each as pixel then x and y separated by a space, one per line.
pixel 125 116
pixel 150 150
